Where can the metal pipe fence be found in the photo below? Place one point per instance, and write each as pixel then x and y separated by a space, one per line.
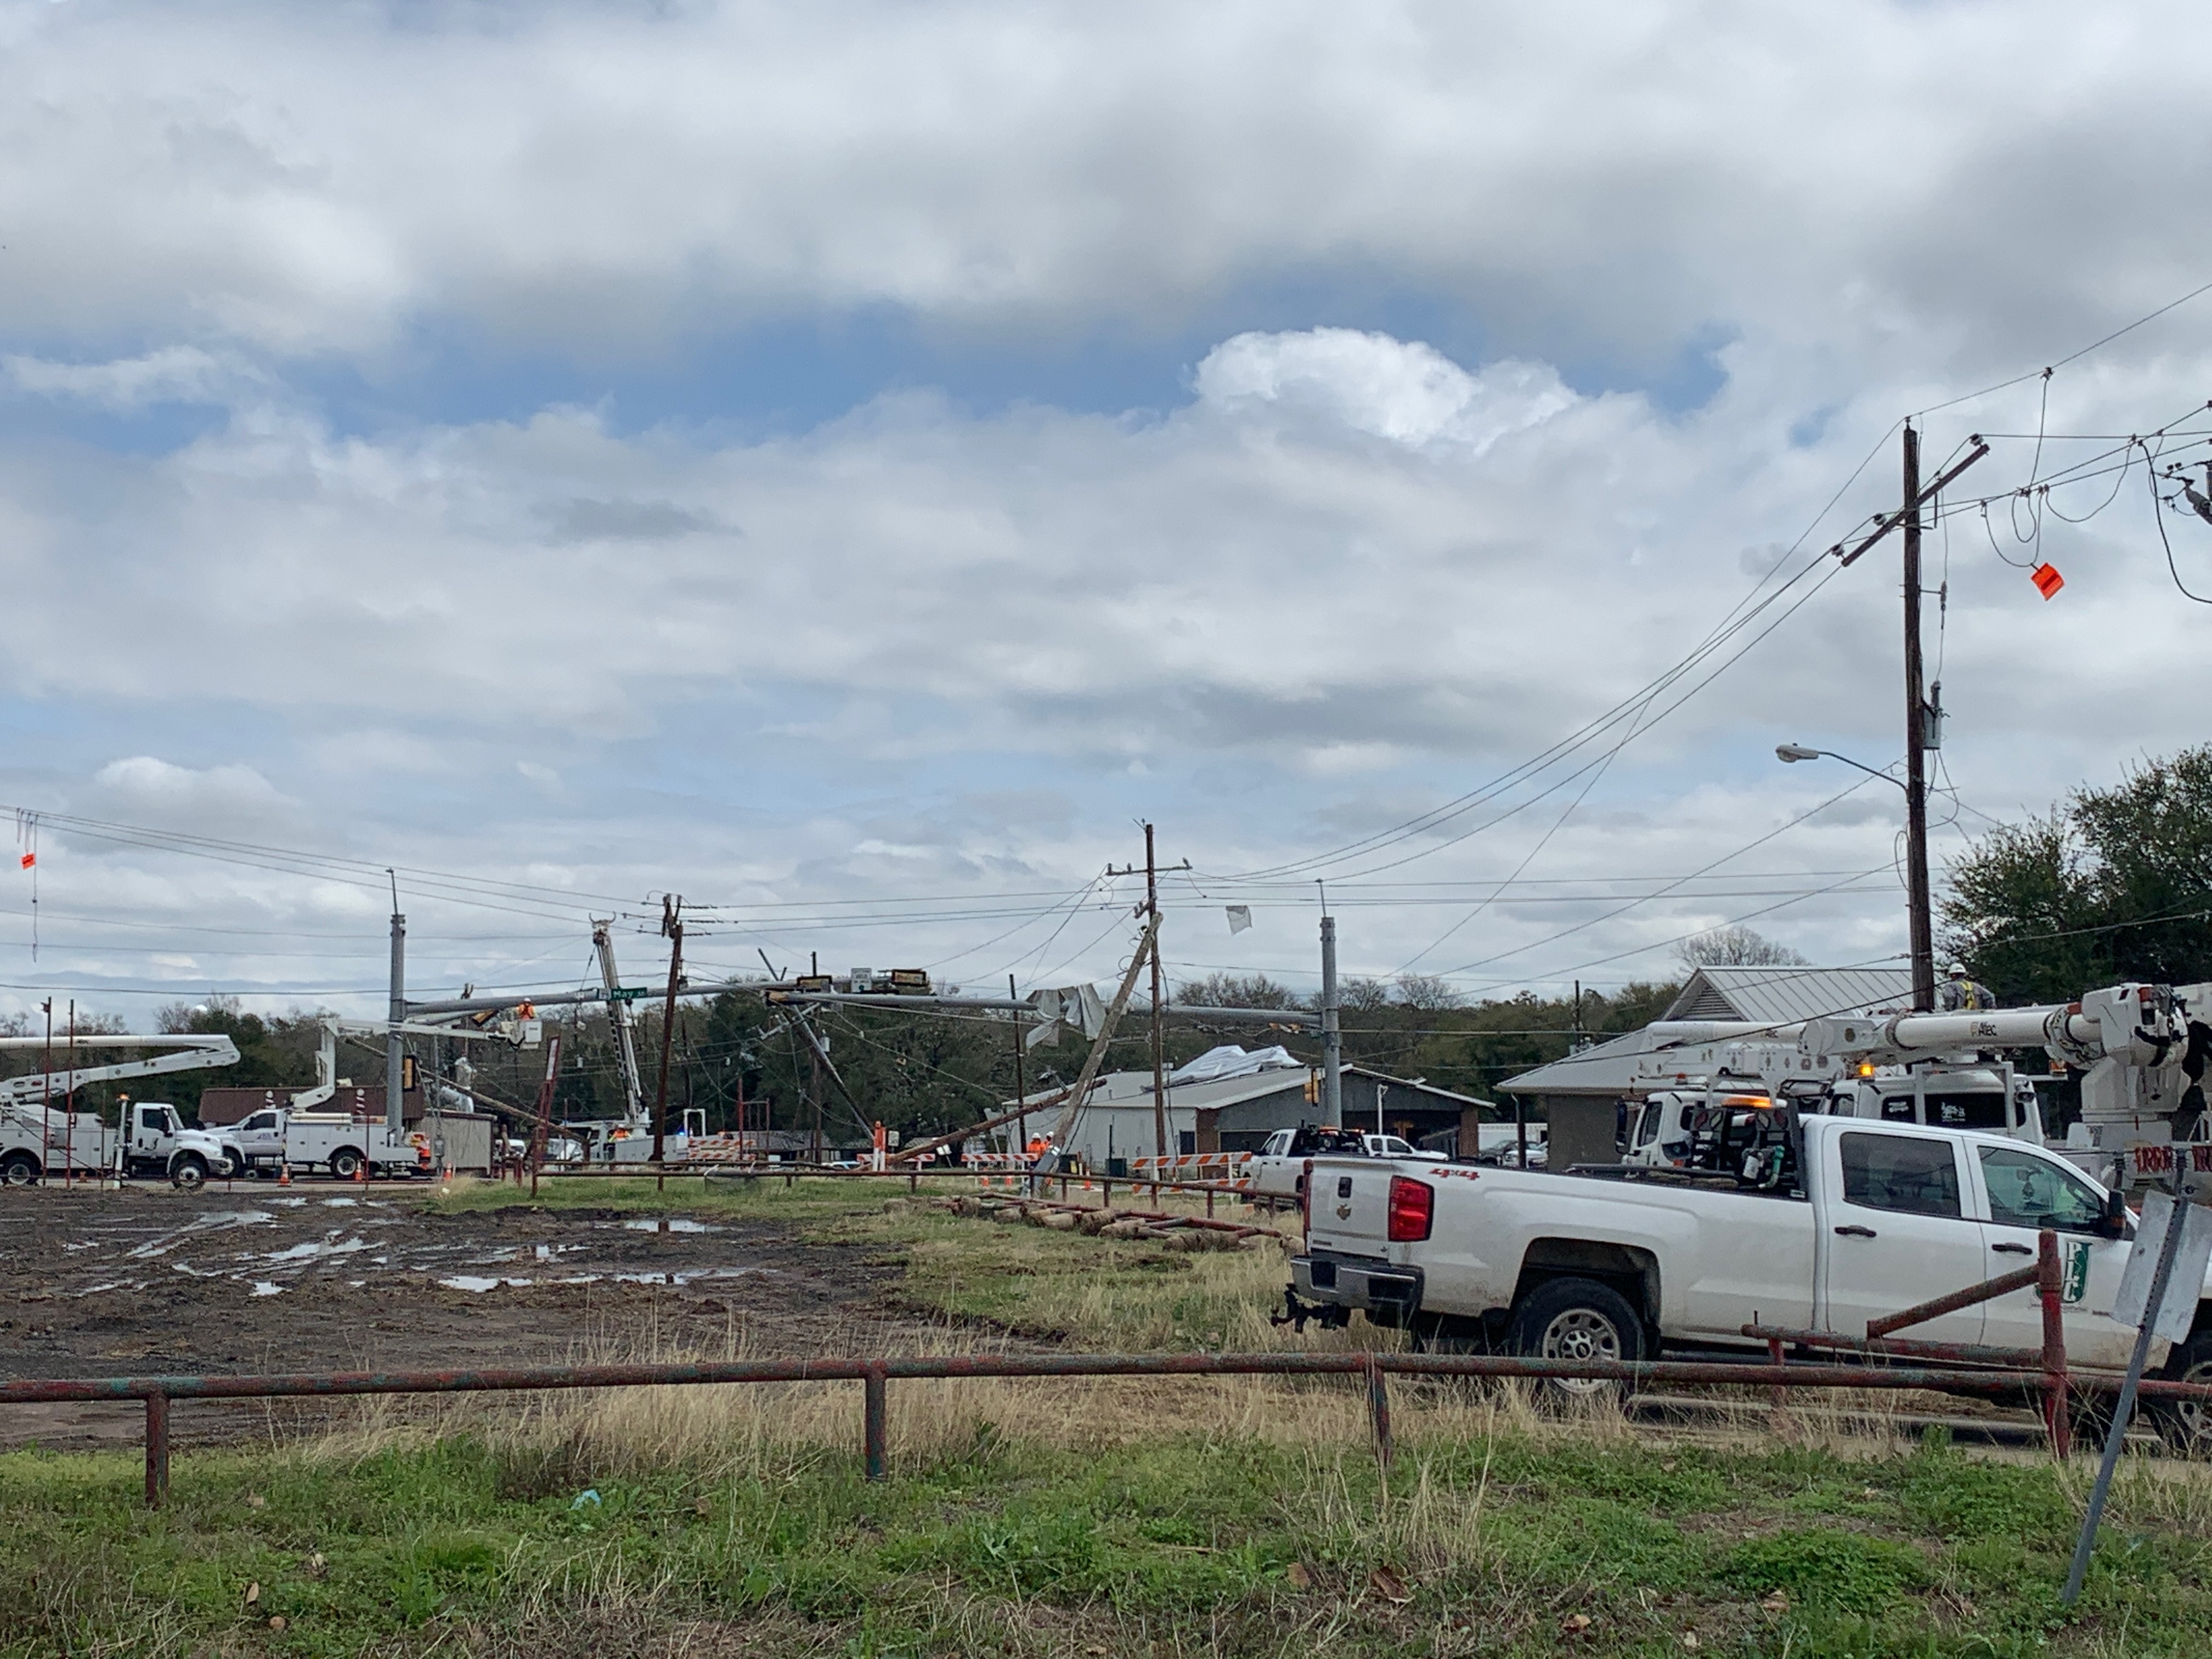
pixel 876 1374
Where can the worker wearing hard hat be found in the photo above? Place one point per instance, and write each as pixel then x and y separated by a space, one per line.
pixel 1960 994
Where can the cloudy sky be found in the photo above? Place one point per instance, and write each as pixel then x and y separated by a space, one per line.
pixel 848 464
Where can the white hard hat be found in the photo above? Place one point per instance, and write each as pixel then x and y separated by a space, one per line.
pixel 1957 971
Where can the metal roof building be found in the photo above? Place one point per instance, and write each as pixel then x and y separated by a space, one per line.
pixel 1782 995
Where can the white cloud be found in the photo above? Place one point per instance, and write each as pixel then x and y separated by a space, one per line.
pixel 1349 579
pixel 171 374
pixel 1862 178
pixel 1404 391
pixel 144 783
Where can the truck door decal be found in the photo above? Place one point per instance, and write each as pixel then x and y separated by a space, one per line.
pixel 2076 1281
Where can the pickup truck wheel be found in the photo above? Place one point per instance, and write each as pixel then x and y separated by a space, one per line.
pixel 1577 1319
pixel 2185 1426
pixel 19 1169
pixel 188 1174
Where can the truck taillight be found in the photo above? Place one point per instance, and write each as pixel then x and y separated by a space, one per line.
pixel 1412 1207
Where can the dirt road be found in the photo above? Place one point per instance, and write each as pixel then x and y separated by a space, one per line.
pixel 151 1280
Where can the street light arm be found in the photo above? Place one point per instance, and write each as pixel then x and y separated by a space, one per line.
pixel 1797 751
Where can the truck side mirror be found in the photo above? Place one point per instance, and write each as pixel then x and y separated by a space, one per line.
pixel 2114 1223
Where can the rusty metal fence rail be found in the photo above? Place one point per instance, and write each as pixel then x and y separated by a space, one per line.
pixel 876 1374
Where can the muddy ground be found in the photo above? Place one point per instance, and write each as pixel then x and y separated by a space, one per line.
pixel 153 1281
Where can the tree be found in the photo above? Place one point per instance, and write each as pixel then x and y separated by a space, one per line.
pixel 1235 991
pixel 2114 884
pixel 274 1053
pixel 1426 993
pixel 1735 946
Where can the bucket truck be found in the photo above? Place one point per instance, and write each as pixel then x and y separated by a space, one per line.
pixel 37 1142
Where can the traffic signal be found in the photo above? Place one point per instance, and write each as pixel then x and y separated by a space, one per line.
pixel 407 1082
pixel 1313 1088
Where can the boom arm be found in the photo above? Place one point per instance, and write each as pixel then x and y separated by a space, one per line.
pixel 192 1054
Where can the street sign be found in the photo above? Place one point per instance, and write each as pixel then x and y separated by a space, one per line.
pixel 2177 1313
pixel 629 993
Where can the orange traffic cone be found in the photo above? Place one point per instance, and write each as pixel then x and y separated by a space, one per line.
pixel 284 1175
pixel 361 1173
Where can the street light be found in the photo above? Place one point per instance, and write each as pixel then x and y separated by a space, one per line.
pixel 1798 751
pixel 1919 912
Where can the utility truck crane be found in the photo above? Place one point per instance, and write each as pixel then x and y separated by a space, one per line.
pixel 37 1142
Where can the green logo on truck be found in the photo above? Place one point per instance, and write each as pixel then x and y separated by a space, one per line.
pixel 2076 1284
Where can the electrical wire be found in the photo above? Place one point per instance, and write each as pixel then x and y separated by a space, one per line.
pixel 2158 511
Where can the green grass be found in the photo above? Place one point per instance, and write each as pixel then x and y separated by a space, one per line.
pixel 1187 1546
pixel 1086 1292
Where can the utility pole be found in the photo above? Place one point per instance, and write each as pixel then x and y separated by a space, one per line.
pixel 814 1097
pixel 1332 1037
pixel 69 1100
pixel 46 1101
pixel 1150 912
pixel 671 926
pixel 1907 518
pixel 1021 1090
pixel 1159 1070
pixel 395 1044
pixel 1915 738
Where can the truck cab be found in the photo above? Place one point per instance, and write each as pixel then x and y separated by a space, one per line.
pixel 155 1142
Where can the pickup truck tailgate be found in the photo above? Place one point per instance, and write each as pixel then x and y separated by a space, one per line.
pixel 1349 1210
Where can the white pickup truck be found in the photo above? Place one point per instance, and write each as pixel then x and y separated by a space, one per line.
pixel 1863 1219
pixel 1279 1167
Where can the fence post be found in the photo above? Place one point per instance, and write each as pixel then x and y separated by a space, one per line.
pixel 2050 1285
pixel 157 1449
pixel 1378 1408
pixel 875 1429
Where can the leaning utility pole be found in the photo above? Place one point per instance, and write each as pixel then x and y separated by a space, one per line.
pixel 395 1045
pixel 1917 721
pixel 671 927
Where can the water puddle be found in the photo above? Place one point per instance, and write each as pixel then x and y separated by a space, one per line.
pixel 672 1223
pixel 216 1221
pixel 315 1249
pixel 267 1287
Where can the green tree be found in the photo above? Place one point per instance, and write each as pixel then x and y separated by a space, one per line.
pixel 2114 884
pixel 274 1053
